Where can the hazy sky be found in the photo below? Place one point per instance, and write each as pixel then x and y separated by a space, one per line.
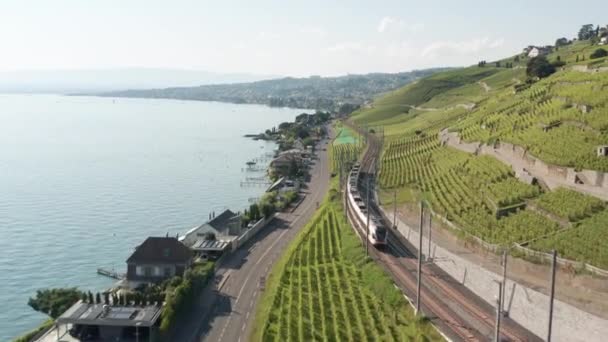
pixel 296 38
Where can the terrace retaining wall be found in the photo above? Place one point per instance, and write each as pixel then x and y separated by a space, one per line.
pixel 595 182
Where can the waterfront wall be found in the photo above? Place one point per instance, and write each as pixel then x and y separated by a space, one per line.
pixel 526 306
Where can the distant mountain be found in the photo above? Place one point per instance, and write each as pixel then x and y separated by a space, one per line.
pixel 104 80
pixel 314 92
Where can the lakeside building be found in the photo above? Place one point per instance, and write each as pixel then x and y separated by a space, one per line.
pixel 214 237
pixel 103 322
pixel 157 259
pixel 283 185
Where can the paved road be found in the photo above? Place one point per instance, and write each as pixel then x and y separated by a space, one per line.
pixel 227 315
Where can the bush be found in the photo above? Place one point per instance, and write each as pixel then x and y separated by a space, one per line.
pixel 31 334
pixel 539 67
pixel 599 53
pixel 54 302
pixel 179 299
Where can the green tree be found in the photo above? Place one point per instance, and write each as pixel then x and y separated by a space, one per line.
pixel 254 212
pixel 586 32
pixel 54 302
pixel 539 67
pixel 97 298
pixel 561 42
pixel 599 53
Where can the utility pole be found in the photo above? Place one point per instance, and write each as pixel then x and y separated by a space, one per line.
pixel 497 327
pixel 367 224
pixel 504 281
pixel 395 209
pixel 428 256
pixel 553 266
pixel 419 260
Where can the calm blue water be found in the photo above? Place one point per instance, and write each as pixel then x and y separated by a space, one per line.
pixel 83 180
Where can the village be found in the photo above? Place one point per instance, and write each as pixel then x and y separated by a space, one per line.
pixel 164 272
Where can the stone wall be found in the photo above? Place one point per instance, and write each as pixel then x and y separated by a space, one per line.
pixel 595 182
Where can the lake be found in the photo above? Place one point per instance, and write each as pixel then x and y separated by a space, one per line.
pixel 83 180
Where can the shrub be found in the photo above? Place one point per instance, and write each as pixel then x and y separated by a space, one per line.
pixel 599 53
pixel 539 67
pixel 179 299
pixel 54 302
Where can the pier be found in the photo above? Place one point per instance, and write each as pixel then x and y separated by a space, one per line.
pixel 111 274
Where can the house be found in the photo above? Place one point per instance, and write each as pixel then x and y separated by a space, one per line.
pixel 157 259
pixel 603 41
pixel 535 51
pixel 224 226
pixel 286 159
pixel 283 185
pixel 602 151
pixel 298 144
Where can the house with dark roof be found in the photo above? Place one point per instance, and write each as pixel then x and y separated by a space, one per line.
pixel 157 259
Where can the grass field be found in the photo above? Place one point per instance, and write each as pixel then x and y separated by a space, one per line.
pixel 324 288
pixel 560 119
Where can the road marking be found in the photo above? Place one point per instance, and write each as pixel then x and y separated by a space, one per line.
pixel 305 209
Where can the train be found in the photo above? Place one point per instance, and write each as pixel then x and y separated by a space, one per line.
pixel 377 235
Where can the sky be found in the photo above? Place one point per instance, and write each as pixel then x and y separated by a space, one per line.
pixel 291 38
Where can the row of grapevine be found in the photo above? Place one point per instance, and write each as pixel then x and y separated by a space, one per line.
pixel 570 204
pixel 320 296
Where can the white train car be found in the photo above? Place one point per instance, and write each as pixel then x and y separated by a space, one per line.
pixel 377 235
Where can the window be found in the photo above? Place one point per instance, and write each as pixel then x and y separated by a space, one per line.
pixel 168 272
pixel 148 271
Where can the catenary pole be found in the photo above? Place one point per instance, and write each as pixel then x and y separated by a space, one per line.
pixel 395 209
pixel 504 282
pixel 367 222
pixel 553 267
pixel 497 326
pixel 419 260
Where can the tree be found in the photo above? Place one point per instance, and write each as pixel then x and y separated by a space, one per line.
pixel 498 64
pixel 561 42
pixel 599 53
pixel 97 298
pixel 90 295
pixel 586 32
pixel 577 58
pixel 267 209
pixel 539 67
pixel 254 212
pixel 54 302
pixel 516 59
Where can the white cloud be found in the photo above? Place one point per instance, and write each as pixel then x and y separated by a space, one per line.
pixel 448 48
pixel 388 24
pixel 314 31
pixel 346 47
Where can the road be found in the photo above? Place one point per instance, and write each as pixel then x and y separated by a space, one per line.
pixel 458 312
pixel 225 312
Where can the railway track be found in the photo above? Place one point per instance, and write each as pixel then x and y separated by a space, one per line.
pixel 457 311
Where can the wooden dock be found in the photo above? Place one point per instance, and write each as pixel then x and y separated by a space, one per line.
pixel 111 274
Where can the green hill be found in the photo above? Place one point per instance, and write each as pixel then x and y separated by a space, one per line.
pixel 560 119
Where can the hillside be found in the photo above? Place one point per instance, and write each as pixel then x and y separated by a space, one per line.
pixel 326 93
pixel 492 110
